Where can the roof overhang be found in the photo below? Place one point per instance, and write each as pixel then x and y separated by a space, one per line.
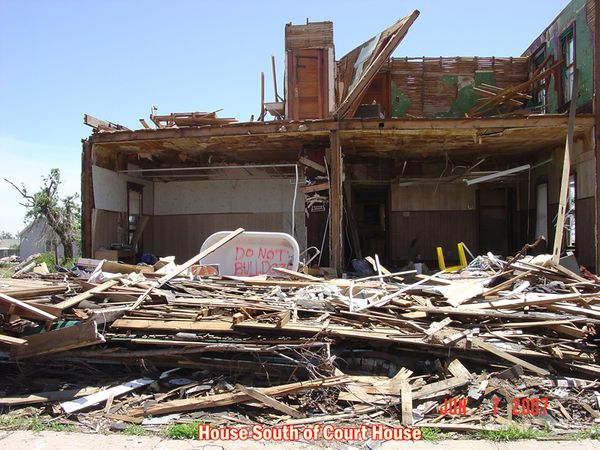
pixel 278 142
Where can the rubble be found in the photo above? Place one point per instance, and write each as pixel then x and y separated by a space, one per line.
pixel 495 343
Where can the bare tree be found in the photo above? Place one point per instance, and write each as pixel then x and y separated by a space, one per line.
pixel 63 214
pixel 6 235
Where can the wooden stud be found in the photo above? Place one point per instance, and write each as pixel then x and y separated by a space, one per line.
pixel 336 241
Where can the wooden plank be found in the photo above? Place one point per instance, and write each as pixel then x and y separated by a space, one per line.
pixel 336 199
pixel 542 299
pixel 55 341
pixel 232 398
pixel 564 184
pixel 174 325
pixel 10 340
pixel 386 299
pixel 312 164
pixel 269 401
pixel 458 370
pixel 315 188
pixel 74 301
pixel 407 407
pixel 27 293
pixel 11 305
pixel 102 125
pixel 190 262
pixel 72 406
pixel 437 326
pixel 45 397
pixel 508 357
pixel 117 267
pixel 294 274
pixel 439 386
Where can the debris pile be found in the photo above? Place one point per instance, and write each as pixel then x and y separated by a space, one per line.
pixel 495 343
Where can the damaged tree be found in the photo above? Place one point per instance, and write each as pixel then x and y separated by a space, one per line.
pixel 63 214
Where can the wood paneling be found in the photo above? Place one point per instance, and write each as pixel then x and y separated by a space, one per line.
pixel 107 228
pixel 585 214
pixel 432 85
pixel 416 234
pixel 379 92
pixel 450 197
pixel 310 35
pixel 183 235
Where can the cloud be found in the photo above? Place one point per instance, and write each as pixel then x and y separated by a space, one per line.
pixel 26 162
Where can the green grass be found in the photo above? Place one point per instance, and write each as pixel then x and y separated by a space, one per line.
pixel 6 272
pixel 12 422
pixel 592 433
pixel 134 430
pixel 182 431
pixel 431 434
pixel 511 433
pixel 34 424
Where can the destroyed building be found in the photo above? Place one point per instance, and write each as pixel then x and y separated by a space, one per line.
pixel 367 154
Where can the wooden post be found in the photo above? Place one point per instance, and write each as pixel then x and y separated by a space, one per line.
pixel 564 185
pixel 87 194
pixel 336 241
pixel 597 124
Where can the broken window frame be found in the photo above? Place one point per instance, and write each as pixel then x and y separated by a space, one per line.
pixel 539 88
pixel 133 219
pixel 570 237
pixel 567 53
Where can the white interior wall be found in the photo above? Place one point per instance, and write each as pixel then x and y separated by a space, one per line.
pixel 226 196
pixel 110 190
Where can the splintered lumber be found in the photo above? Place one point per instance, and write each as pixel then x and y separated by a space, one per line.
pixel 407 407
pixel 117 267
pixel 102 396
pixel 269 401
pixel 386 299
pixel 27 261
pixel 28 293
pixel 10 340
pixel 45 397
pixel 40 344
pixel 440 386
pixel 203 254
pixel 231 398
pixel 507 356
pixel 74 301
pixel 12 306
pixel 28 268
pixel 437 326
pixel 174 325
pixel 564 184
pixel 458 370
pixel 310 163
pixel 528 300
pixel 294 274
pixel 458 293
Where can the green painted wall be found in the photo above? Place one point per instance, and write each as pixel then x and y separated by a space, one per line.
pixel 574 13
pixel 400 101
pixel 467 97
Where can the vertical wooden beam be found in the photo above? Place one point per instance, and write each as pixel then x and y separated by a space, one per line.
pixel 87 199
pixel 336 201
pixel 597 124
pixel 566 171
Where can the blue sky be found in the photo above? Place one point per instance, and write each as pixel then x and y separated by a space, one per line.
pixel 116 59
